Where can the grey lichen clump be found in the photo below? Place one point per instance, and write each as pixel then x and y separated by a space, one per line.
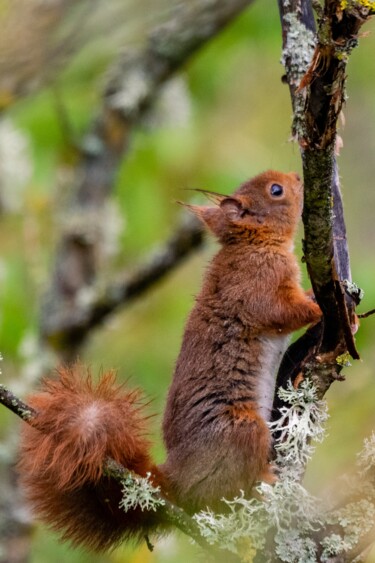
pixel 353 290
pixel 130 85
pixel 299 423
pixel 139 492
pixel 298 49
pixel 302 527
pixel 366 458
pixel 296 57
pixel 355 520
pixel 286 509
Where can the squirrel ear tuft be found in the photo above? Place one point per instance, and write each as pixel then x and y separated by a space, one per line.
pixel 232 208
pixel 211 217
pixel 200 211
pixel 215 197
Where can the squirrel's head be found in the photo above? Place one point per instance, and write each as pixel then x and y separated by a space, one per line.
pixel 270 203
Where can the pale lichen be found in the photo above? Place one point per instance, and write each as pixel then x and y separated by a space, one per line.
pixel 283 507
pixel 291 547
pixel 356 519
pixel 366 457
pixel 247 518
pixel 353 290
pixel 333 545
pixel 15 166
pixel 140 492
pixel 298 49
pixel 300 423
pixel 297 54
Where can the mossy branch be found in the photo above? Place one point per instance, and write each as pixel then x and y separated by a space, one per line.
pixel 318 92
pixel 325 248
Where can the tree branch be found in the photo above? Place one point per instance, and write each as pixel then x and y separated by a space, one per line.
pixel 68 329
pixel 325 245
pixel 317 91
pixel 14 404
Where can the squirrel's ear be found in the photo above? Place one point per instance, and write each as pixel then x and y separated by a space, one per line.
pixel 204 212
pixel 212 217
pixel 201 211
pixel 232 208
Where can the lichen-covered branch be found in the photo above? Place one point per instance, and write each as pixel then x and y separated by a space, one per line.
pixel 132 86
pixel 317 88
pixel 13 403
pixel 325 247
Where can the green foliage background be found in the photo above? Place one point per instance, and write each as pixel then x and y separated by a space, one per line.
pixel 239 125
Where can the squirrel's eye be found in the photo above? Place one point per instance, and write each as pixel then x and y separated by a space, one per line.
pixel 276 190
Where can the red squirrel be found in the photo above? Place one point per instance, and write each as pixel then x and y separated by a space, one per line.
pixel 215 422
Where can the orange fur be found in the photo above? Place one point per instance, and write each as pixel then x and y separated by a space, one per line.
pixel 78 425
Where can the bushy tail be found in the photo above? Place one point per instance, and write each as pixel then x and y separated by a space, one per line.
pixel 78 425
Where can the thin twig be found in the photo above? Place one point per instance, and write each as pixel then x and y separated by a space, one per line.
pixel 13 403
pixel 365 315
pixel 71 327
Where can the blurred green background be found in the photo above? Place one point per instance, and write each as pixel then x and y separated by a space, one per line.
pixel 228 118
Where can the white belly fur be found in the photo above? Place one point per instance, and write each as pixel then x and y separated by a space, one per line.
pixel 273 350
